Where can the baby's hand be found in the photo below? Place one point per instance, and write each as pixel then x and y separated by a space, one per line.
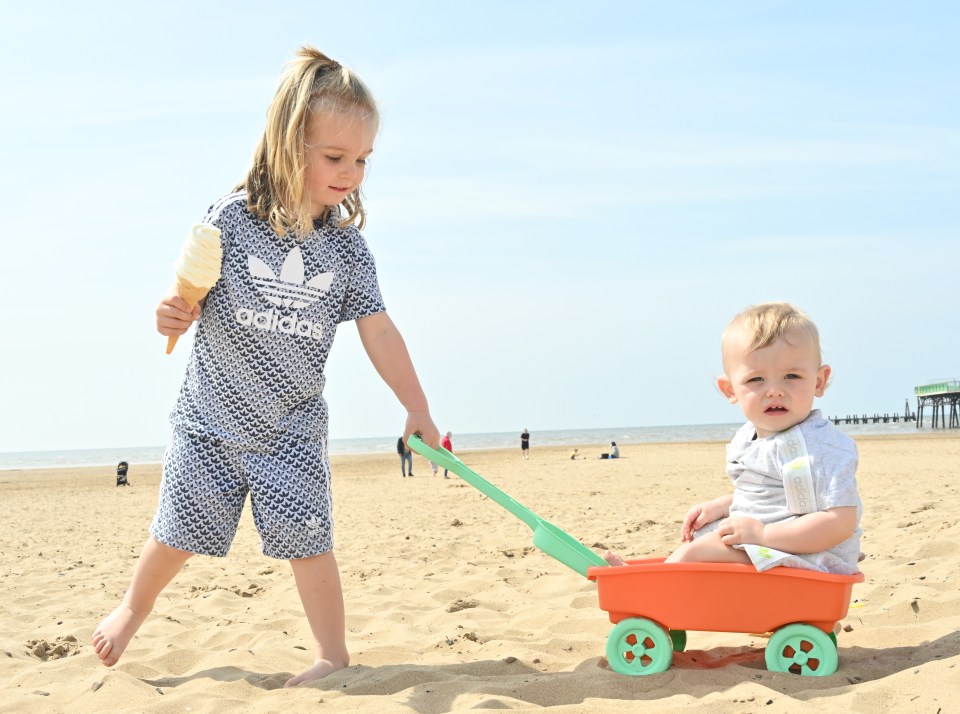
pixel 174 316
pixel 697 517
pixel 739 530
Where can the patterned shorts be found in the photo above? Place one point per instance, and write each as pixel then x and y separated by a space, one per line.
pixel 205 483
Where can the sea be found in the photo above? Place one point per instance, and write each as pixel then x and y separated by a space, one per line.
pixel 461 442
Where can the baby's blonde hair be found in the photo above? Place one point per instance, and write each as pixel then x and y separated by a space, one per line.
pixel 765 323
pixel 311 84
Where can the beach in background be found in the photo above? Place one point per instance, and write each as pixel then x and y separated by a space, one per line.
pixel 449 605
pixel 468 442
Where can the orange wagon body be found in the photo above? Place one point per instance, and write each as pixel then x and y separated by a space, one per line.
pixel 722 597
pixel 652 605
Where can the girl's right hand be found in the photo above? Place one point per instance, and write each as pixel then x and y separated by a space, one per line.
pixel 174 316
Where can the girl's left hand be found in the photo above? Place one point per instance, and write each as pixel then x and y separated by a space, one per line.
pixel 739 530
pixel 420 423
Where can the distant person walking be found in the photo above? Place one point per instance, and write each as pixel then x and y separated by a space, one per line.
pixel 448 445
pixel 525 443
pixel 406 458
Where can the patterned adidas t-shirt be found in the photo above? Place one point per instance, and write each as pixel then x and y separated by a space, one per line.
pixel 256 369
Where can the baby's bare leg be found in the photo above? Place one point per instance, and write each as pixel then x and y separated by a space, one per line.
pixel 708 549
pixel 318 582
pixel 156 567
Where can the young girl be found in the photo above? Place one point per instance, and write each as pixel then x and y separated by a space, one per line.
pixel 251 415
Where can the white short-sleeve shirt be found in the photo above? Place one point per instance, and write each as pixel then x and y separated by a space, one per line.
pixel 755 465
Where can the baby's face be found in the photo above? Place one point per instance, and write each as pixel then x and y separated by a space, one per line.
pixel 775 386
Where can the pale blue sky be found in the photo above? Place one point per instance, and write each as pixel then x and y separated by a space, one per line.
pixel 567 201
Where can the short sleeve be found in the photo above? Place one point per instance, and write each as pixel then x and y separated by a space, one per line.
pixel 362 297
pixel 834 466
pixel 223 214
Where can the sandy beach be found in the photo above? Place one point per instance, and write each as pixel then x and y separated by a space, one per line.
pixel 449 606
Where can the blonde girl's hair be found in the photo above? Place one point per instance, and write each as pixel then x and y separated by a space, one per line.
pixel 311 84
pixel 765 323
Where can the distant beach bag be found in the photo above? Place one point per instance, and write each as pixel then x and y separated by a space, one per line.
pixel 122 473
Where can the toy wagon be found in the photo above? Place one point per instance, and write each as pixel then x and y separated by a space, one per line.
pixel 653 604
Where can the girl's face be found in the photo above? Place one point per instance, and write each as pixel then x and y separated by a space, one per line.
pixel 337 146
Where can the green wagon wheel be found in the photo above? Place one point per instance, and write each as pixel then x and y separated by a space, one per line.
pixel 679 638
pixel 639 646
pixel 801 649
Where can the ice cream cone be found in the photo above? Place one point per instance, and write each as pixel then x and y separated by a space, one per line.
pixel 198 267
pixel 192 295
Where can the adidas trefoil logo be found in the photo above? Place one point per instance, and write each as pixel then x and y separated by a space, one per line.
pixel 315 525
pixel 288 290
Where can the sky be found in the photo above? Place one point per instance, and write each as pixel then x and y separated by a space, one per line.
pixel 567 201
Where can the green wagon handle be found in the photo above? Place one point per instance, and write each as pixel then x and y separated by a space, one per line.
pixel 556 543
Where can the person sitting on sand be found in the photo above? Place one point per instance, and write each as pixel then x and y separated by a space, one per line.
pixel 795 500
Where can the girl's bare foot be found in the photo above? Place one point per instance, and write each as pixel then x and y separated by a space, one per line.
pixel 114 633
pixel 613 559
pixel 320 669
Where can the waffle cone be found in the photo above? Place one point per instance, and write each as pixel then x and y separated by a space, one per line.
pixel 192 295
